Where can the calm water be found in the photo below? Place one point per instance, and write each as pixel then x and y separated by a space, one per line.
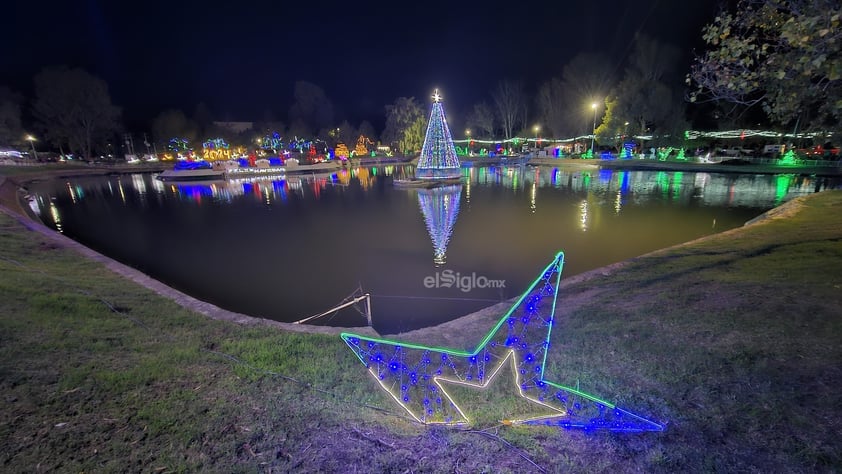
pixel 286 249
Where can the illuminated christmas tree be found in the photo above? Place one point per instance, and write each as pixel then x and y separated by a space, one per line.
pixel 440 207
pixel 438 155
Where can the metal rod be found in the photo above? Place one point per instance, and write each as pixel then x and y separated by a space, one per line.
pixel 337 308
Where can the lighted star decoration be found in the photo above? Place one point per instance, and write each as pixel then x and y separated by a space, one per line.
pixel 418 377
pixel 436 96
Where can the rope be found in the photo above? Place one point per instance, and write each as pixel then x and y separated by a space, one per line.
pixel 301 383
pixel 357 292
pixel 437 298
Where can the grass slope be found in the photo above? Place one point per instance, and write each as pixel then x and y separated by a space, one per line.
pixel 735 341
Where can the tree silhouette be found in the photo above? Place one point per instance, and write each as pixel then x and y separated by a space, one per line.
pixel 510 103
pixel 11 130
pixel 481 120
pixel 311 107
pixel 74 109
pixel 586 79
pixel 643 98
pixel 173 123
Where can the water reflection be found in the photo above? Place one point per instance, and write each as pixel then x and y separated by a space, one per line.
pixel 440 206
pixel 285 247
pixel 625 187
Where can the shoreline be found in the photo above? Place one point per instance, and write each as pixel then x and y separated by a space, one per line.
pixel 12 191
pixel 655 165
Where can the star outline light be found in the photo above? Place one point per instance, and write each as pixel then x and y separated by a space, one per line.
pixel 413 374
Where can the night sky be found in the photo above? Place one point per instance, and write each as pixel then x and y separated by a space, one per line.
pixel 242 58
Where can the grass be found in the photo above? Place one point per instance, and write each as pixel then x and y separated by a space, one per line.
pixel 734 341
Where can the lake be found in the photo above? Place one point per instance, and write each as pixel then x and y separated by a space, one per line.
pixel 289 248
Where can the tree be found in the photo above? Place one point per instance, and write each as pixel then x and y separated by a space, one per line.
pixel 782 55
pixel 586 79
pixel 174 124
pixel 551 107
pixel 11 130
pixel 346 133
pixel 203 118
pixel 405 125
pixel 367 130
pixel 643 98
pixel 311 106
pixel 74 109
pixel 510 103
pixel 481 120
pixel 299 129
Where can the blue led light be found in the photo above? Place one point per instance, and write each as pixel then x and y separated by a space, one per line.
pixel 519 339
pixel 438 155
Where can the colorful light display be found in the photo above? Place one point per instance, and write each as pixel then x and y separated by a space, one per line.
pixel 216 149
pixel 272 141
pixel 341 151
pixel 417 377
pixel 438 158
pixel 663 153
pixel 177 145
pixel 789 159
pixel 440 207
pixel 361 148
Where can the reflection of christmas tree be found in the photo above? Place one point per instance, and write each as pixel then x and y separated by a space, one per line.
pixel 438 155
pixel 440 207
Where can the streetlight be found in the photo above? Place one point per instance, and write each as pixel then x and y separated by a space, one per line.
pixel 536 128
pixel 625 137
pixel 468 134
pixel 32 142
pixel 593 131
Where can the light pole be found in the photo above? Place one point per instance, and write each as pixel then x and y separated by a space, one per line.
pixel 536 128
pixel 468 134
pixel 593 130
pixel 625 137
pixel 32 142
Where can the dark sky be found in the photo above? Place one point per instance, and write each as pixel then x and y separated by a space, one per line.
pixel 242 57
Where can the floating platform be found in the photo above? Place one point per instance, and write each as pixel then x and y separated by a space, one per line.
pixel 426 183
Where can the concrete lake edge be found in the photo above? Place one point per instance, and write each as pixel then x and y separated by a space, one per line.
pixel 464 331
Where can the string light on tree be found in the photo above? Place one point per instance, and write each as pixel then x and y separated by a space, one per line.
pixel 440 206
pixel 438 158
